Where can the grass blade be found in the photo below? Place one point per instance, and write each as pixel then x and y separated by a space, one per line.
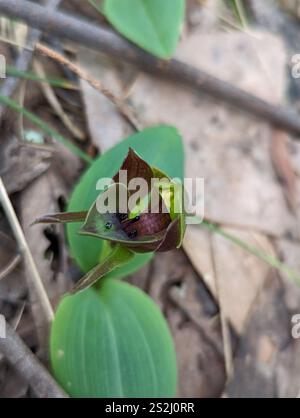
pixel 46 128
pixel 272 261
pixel 27 75
pixel 238 9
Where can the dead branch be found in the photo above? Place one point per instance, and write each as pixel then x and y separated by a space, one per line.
pixel 35 278
pixel 29 367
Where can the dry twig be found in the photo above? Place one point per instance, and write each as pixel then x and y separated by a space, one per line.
pixel 84 75
pixel 10 267
pixel 55 103
pixel 29 367
pixel 25 251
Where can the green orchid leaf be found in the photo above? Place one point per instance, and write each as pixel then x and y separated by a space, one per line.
pixel 154 25
pixel 112 341
pixel 120 255
pixel 153 145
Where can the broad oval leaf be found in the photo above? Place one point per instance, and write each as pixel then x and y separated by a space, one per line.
pixel 112 342
pixel 161 147
pixel 154 25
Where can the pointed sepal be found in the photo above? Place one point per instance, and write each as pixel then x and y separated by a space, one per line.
pixel 61 218
pixel 118 257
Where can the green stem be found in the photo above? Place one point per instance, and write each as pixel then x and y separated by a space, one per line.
pixel 46 128
pixel 27 75
pixel 239 11
pixel 272 261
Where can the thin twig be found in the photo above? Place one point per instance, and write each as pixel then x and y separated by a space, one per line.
pixel 94 36
pixel 227 343
pixel 25 251
pixel 18 315
pixel 24 58
pixel 55 103
pixel 96 84
pixel 29 367
pixel 10 267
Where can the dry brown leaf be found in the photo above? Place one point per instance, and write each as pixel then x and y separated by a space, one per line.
pixel 267 364
pixel 21 163
pixel 106 125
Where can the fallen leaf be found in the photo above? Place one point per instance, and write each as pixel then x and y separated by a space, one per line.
pixel 106 125
pixel 267 363
pixel 21 163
